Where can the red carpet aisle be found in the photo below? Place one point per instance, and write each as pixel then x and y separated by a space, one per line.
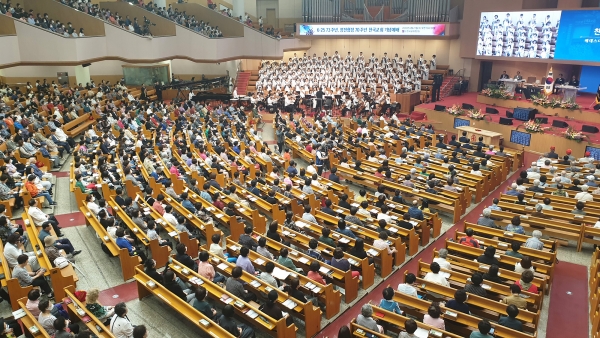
pixel 569 303
pixel 426 255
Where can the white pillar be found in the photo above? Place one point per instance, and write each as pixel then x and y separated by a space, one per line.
pixel 82 74
pixel 238 8
pixel 160 3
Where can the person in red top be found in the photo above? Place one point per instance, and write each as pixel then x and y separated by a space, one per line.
pixel 158 204
pixel 309 147
pixel 525 283
pixel 314 274
pixel 468 240
pixel 219 202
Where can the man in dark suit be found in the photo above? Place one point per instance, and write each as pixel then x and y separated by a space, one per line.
pixel 479 152
pixel 453 141
pixel 333 177
pixel 343 203
pixel 440 143
pixel 574 82
pixel 536 187
pixel 504 75
pixel 454 158
pixel 552 154
pixel 480 143
pixel 559 82
pixel 464 138
pixel 327 208
pixel 466 145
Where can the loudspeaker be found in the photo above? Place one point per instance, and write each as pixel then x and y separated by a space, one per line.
pixel 509 114
pixel 439 107
pixel 86 65
pixel 542 120
pixel 589 129
pixel 505 121
pixel 467 106
pixel 559 124
pixel 491 110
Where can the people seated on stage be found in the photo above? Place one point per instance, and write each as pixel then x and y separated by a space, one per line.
pixel 574 82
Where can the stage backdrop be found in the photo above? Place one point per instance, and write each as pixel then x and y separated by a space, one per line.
pixel 590 78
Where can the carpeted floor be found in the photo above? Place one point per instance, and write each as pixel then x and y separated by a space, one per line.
pixel 569 304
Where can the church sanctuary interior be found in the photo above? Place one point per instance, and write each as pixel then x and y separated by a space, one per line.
pixel 299 168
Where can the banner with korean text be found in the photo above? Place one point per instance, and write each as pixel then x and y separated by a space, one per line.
pixel 372 29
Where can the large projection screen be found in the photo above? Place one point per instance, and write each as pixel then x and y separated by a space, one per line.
pixel 518 34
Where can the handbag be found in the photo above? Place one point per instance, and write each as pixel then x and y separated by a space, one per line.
pixel 61 262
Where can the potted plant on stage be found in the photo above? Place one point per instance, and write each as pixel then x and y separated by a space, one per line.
pixel 497 93
pixel 476 114
pixel 576 136
pixel 570 105
pixel 455 110
pixel 532 126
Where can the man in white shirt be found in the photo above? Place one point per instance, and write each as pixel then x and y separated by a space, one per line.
pixel 120 326
pixel 584 196
pixel 169 217
pixel 407 287
pixel 39 217
pixel 441 260
pixel 12 252
pixel 434 275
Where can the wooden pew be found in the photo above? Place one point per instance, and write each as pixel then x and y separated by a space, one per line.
pixel 540 280
pixel 463 323
pixel 506 236
pixel 310 314
pixel 78 312
pixel 160 254
pixel 275 328
pixel 332 298
pixel 128 262
pixel 30 321
pixel 178 305
pixel 79 125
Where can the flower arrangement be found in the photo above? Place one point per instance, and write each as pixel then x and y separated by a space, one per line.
pixel 546 102
pixel 475 114
pixel 497 93
pixel 577 136
pixel 570 105
pixel 533 126
pixel 455 110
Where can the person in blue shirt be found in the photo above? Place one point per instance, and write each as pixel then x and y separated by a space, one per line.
pixel 415 212
pixel 343 230
pixel 314 252
pixel 204 193
pixel 515 226
pixel 513 190
pixel 254 190
pixel 387 303
pixel 292 168
pixel 511 320
pixel 458 303
pixel 122 242
pixel 186 203
pixel 236 147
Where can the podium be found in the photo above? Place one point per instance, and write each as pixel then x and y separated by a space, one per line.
pixel 510 85
pixel 570 92
pixel 408 101
pixel 489 137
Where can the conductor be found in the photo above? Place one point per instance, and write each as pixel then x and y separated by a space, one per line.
pixel 319 95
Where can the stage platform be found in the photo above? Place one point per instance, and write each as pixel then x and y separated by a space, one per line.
pixel 540 143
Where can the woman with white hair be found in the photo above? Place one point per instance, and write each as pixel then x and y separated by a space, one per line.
pixel 441 259
pixel 584 195
pixel 534 241
pixel 365 318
